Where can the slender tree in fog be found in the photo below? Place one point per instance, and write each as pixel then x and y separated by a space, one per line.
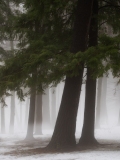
pixel 103 100
pixel 53 106
pixel 30 127
pixel 38 114
pixel 46 109
pixel 98 105
pixel 26 112
pixel 12 107
pixel 12 112
pixel 2 118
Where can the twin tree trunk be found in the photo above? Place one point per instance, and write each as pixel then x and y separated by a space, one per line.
pixel 87 136
pixel 64 132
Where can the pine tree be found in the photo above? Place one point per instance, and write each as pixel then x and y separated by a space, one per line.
pixel 64 133
pixel 87 137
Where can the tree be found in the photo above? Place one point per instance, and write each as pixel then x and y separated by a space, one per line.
pixel 31 117
pixel 38 114
pixel 50 57
pixel 53 106
pixel 12 113
pixel 46 109
pixel 64 132
pixel 87 137
pixel 99 92
pixel 2 119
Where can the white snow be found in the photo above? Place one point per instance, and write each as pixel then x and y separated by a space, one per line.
pixel 12 147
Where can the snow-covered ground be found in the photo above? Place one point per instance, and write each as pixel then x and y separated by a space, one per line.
pixel 12 147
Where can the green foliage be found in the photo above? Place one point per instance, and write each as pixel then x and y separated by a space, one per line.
pixel 44 32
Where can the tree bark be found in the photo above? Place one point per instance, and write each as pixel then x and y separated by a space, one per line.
pixel 64 132
pixel 87 136
pixel 38 114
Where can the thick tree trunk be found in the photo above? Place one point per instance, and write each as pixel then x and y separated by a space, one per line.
pixel 12 112
pixel 30 128
pixel 2 119
pixel 64 133
pixel 87 137
pixel 38 114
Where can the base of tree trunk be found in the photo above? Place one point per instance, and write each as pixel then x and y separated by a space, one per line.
pixel 61 147
pixel 29 138
pixel 38 133
pixel 61 144
pixel 88 142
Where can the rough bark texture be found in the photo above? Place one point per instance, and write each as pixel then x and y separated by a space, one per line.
pixel 30 128
pixel 87 137
pixel 38 114
pixel 64 133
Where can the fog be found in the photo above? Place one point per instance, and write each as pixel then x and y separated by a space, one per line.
pixel 107 125
pixel 109 107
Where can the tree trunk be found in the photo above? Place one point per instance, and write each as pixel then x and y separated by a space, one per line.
pixel 99 92
pixel 2 119
pixel 46 110
pixel 64 132
pixel 53 106
pixel 87 137
pixel 119 118
pixel 103 113
pixel 21 114
pixel 26 112
pixel 30 128
pixel 12 113
pixel 38 114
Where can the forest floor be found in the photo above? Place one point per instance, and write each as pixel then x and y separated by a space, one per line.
pixel 13 147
